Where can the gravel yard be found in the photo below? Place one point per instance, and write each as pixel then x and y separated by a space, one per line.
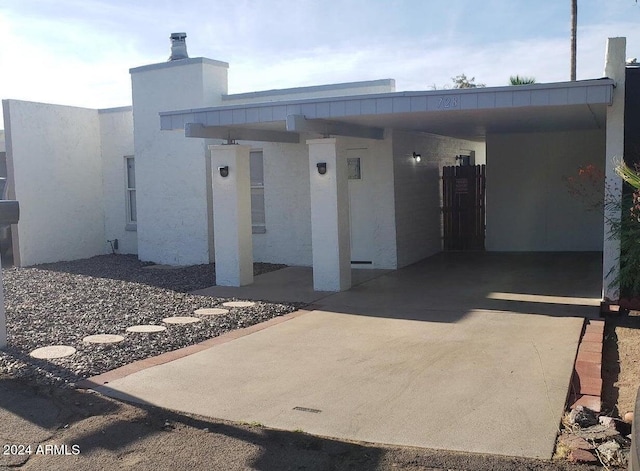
pixel 61 303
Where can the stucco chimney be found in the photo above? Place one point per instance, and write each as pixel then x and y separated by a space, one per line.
pixel 178 46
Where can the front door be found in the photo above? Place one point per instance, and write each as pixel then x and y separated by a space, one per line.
pixel 361 216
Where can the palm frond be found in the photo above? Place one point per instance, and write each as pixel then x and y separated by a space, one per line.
pixel 629 175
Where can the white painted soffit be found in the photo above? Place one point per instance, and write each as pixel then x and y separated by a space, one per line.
pixel 466 113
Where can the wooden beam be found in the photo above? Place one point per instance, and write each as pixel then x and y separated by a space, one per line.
pixel 239 134
pixel 298 123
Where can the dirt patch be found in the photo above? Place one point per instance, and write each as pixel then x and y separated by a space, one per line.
pixel 621 363
pixel 101 433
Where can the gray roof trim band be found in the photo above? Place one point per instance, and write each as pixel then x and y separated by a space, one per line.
pixel 559 94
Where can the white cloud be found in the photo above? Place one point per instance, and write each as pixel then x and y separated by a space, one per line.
pixel 96 76
pixel 418 66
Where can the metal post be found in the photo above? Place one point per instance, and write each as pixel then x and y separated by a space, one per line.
pixel 9 214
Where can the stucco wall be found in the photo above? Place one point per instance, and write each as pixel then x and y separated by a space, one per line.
pixel 372 202
pixel 116 132
pixel 418 194
pixel 54 158
pixel 287 202
pixel 287 205
pixel 174 226
pixel 529 207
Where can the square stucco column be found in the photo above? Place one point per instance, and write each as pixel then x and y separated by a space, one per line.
pixel 614 69
pixel 232 215
pixel 331 245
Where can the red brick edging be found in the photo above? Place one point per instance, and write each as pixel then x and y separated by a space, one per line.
pixel 586 383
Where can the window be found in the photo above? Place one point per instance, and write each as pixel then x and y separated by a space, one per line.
pixel 256 171
pixel 132 212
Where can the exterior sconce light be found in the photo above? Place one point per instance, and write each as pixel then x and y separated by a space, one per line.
pixel 417 157
pixel 322 167
pixel 224 171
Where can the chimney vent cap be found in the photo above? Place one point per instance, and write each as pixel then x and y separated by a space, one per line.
pixel 178 46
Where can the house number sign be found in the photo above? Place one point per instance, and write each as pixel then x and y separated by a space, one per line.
pixel 447 102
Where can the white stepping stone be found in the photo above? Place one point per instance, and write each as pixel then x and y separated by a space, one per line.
pixel 103 338
pixel 54 351
pixel 238 303
pixel 180 320
pixel 146 328
pixel 210 311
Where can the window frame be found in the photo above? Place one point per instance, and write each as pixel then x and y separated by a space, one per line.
pixel 259 187
pixel 131 223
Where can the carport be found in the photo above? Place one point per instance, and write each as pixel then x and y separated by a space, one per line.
pixel 554 284
pixel 534 135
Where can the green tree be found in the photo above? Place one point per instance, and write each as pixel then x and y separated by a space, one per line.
pixel 461 81
pixel 627 231
pixel 521 80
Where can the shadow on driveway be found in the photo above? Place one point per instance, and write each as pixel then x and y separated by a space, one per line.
pixel 118 435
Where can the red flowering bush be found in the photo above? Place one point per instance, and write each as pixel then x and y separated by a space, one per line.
pixel 622 215
pixel 588 185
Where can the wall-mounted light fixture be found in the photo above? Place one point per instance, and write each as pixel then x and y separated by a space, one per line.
pixel 417 157
pixel 322 167
pixel 224 171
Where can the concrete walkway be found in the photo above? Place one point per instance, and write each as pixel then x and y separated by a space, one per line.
pixel 466 353
pixel 288 285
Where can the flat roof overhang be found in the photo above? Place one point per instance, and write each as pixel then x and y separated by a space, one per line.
pixel 462 113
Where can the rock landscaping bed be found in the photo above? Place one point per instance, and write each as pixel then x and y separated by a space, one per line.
pixel 63 303
pixel 588 437
pixel 604 438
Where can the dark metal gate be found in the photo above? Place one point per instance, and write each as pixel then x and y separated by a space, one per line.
pixel 463 209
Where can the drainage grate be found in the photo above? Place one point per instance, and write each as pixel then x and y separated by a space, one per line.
pixel 306 409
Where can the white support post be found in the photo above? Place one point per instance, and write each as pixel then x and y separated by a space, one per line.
pixel 330 239
pixel 232 215
pixel 614 69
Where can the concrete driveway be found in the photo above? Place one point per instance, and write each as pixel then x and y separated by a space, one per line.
pixel 459 352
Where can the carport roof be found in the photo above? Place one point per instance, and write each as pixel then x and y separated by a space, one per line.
pixel 463 113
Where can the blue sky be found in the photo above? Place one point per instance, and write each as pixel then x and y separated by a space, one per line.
pixel 79 52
